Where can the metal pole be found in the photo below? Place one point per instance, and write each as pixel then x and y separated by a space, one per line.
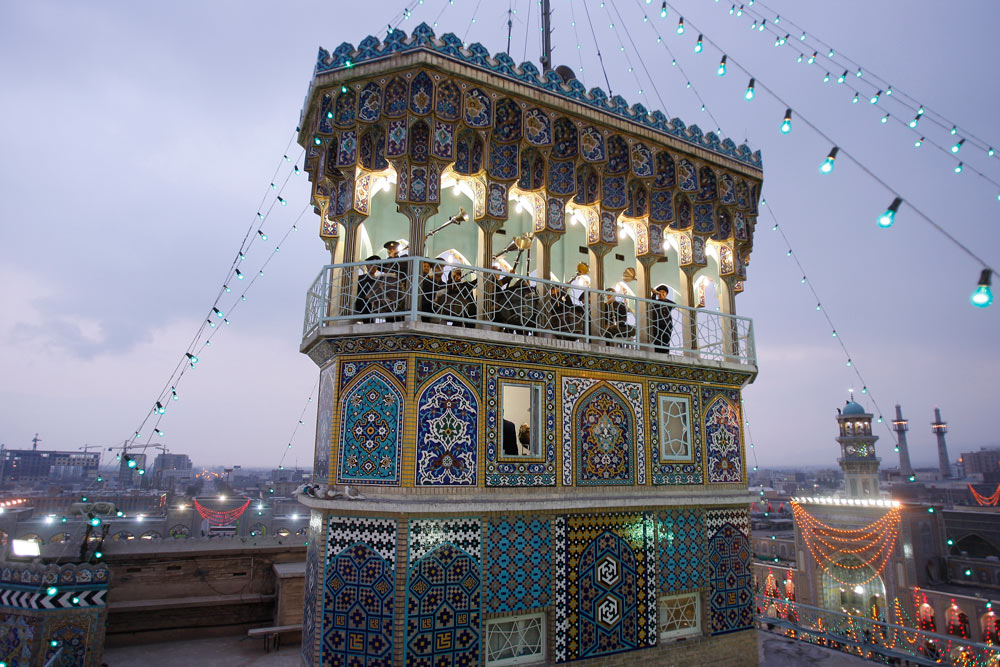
pixel 546 36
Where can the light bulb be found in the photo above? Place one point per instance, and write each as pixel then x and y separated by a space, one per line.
pixel 920 111
pixel 990 151
pixel 226 287
pixel 749 94
pixel 282 201
pixel 958 167
pixel 918 143
pixel 842 77
pixel 239 274
pixel 786 124
pixel 173 393
pixel 218 313
pixel 954 130
pixel 761 27
pixel 159 408
pixel 732 10
pixel 886 219
pixel 680 26
pixel 830 55
pixel 663 10
pixel 874 98
pixel 799 59
pixel 812 58
pixel 722 67
pixel 983 296
pixel 803 37
pixel 827 166
pixel 858 73
pixel 913 123
pixel 885 119
pixel 191 358
pixel 856 98
pixel 826 79
pixel 957 147
pixel 739 12
pixel 262 235
pixel 329 115
pixel 343 89
pixel 698 45
pixel 753 26
pixel 888 91
pixel 318 141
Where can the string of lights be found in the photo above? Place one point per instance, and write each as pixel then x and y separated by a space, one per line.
pixel 820 46
pixel 982 296
pixel 295 430
pixel 882 94
pixel 860 552
pixel 699 46
pixel 628 59
pixel 986 500
pixel 597 47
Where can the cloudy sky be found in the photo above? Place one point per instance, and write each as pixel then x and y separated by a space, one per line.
pixel 139 139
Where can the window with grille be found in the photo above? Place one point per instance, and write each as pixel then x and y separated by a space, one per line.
pixel 515 640
pixel 680 616
pixel 675 428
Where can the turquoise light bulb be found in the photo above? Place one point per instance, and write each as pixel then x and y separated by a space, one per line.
pixel 51 590
pixel 826 79
pixel 786 124
pixel 749 94
pixel 842 77
pixel 680 26
pixel 958 146
pixel 858 73
pixel 663 10
pixel 886 219
pixel 827 165
pixel 983 296
pixel 722 67
pixel 954 130
pixel 918 143
pixel 830 55
pixel 812 58
pixel 874 98
pixel 855 100
pixel 885 119
pixel 914 122
pixel 990 151
pixel 698 45
pixel 958 167
pixel 95 521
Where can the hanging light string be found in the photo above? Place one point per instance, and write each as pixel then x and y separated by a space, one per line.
pixel 628 59
pixel 576 35
pixel 399 17
pixel 527 30
pixel 835 333
pixel 838 150
pixel 299 423
pixel 675 63
pixel 475 13
pixel 877 95
pixel 445 5
pixel 822 47
pixel 190 357
pixel 597 46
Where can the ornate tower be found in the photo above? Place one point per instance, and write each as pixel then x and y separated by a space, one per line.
pixel 524 451
pixel 901 426
pixel 939 428
pixel 857 452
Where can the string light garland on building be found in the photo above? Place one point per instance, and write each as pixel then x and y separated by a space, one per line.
pixel 220 517
pixel 855 552
pixel 981 296
pixel 986 500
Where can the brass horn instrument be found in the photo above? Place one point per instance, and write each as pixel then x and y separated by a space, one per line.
pixel 628 275
pixel 456 219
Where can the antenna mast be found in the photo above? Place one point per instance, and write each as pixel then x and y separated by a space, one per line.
pixel 546 36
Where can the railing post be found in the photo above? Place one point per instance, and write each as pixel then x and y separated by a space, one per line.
pixel 414 286
pixel 727 302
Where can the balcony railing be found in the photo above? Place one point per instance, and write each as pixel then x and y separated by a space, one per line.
pixel 434 291
pixel 873 639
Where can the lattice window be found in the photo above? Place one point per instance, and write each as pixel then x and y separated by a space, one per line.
pixel 680 616
pixel 515 640
pixel 675 428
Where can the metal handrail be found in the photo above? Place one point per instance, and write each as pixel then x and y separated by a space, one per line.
pixel 404 289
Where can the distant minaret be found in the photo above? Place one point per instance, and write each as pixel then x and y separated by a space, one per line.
pixel 901 426
pixel 857 447
pixel 939 428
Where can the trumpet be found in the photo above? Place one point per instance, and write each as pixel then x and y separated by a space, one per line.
pixel 519 243
pixel 456 219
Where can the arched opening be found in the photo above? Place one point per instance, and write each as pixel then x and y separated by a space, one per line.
pixel 59 538
pixel 989 628
pixel 258 530
pixel 122 536
pixel 151 535
pixel 925 617
pixel 975 546
pixel 957 621
pixel 283 532
pixel 850 586
pixel 180 532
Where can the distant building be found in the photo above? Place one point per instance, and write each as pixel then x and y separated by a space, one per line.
pixel 35 465
pixel 985 462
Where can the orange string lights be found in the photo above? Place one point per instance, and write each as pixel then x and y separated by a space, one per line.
pixel 986 500
pixel 854 552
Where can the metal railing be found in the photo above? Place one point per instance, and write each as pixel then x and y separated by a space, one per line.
pixel 869 638
pixel 435 291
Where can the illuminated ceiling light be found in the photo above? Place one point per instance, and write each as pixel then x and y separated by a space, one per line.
pixel 886 219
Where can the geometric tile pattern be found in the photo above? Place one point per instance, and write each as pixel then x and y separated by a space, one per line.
pixel 71 639
pixel 324 425
pixel 730 576
pixel 427 534
pixel 309 609
pixel 447 433
pixel 359 592
pixel 681 538
pixel 605 592
pixel 17 634
pixel 371 427
pixel 518 565
pixel 529 473
pixel 673 472
pixel 722 439
pixel 394 367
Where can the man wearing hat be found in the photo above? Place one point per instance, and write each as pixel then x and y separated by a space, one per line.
pixel 661 324
pixel 364 303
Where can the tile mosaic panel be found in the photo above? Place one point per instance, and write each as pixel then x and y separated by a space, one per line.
pixel 722 431
pixel 17 634
pixel 371 428
pixel 729 570
pixel 606 442
pixel 528 473
pixel 681 539
pixel 443 595
pixel 72 637
pixel 518 565
pixel 674 472
pixel 359 592
pixel 324 425
pixel 605 592
pixel 447 433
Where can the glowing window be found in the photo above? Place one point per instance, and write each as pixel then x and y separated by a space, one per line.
pixel 680 616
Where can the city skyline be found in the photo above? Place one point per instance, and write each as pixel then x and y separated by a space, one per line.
pixel 160 130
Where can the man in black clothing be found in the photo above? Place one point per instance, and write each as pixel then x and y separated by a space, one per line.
pixel 510 447
pixel 365 301
pixel 660 322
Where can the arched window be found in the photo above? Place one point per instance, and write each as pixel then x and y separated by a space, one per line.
pixel 258 530
pixel 989 626
pixel 122 536
pixel 151 535
pixel 958 622
pixel 925 618
pixel 180 532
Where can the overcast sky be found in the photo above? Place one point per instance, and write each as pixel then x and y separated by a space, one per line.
pixel 138 138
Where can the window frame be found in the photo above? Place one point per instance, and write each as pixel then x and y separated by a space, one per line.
pixel 536 409
pixel 664 456
pixel 535 658
pixel 681 633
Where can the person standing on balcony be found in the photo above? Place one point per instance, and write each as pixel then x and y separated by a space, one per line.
pixel 396 278
pixel 660 321
pixel 368 276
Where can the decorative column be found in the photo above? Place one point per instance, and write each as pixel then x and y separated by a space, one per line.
pixel 649 251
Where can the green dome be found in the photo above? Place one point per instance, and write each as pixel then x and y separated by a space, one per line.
pixel 853 408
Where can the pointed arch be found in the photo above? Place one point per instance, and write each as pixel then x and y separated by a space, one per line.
pixel 604 431
pixel 371 429
pixel 447 449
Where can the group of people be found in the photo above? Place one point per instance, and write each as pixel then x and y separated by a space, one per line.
pixel 445 295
